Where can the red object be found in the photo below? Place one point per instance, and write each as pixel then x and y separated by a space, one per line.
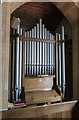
pixel 19 104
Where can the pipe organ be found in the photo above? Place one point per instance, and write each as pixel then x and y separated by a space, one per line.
pixel 39 57
pixel 44 54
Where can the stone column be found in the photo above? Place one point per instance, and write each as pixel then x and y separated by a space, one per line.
pixel 78 52
pixel 0 57
pixel 4 54
pixel 75 57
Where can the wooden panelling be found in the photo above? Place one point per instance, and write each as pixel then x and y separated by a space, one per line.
pixel 37 83
pixel 60 110
pixel 42 97
pixel 66 114
pixel 31 12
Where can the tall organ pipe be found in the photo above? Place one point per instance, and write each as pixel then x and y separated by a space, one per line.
pixel 57 58
pixel 33 52
pixel 40 46
pixel 17 64
pixel 30 66
pixel 25 55
pixel 13 67
pixel 37 49
pixel 60 67
pixel 50 53
pixel 54 57
pixel 20 68
pixel 63 61
pixel 45 52
pixel 43 48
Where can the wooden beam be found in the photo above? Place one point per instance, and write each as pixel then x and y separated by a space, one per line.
pixel 40 40
pixel 35 39
pixel 61 41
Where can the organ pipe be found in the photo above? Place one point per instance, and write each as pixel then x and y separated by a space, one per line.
pixel 45 52
pixel 60 64
pixel 43 49
pixel 40 47
pixel 20 68
pixel 50 53
pixel 25 55
pixel 17 64
pixel 38 50
pixel 63 61
pixel 35 51
pixel 30 52
pixel 56 59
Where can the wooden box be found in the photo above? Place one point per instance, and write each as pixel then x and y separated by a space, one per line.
pixel 35 97
pixel 37 83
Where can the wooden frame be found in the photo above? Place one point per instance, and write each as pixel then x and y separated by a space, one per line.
pixel 35 39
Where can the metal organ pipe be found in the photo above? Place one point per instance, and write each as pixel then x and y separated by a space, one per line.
pixel 50 56
pixel 56 59
pixel 60 67
pixel 54 56
pixel 25 54
pixel 43 49
pixel 20 68
pixel 27 57
pixel 38 49
pixel 45 52
pixel 17 64
pixel 63 61
pixel 35 51
pixel 30 52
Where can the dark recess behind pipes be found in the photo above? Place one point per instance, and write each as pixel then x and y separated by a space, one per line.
pixel 31 12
